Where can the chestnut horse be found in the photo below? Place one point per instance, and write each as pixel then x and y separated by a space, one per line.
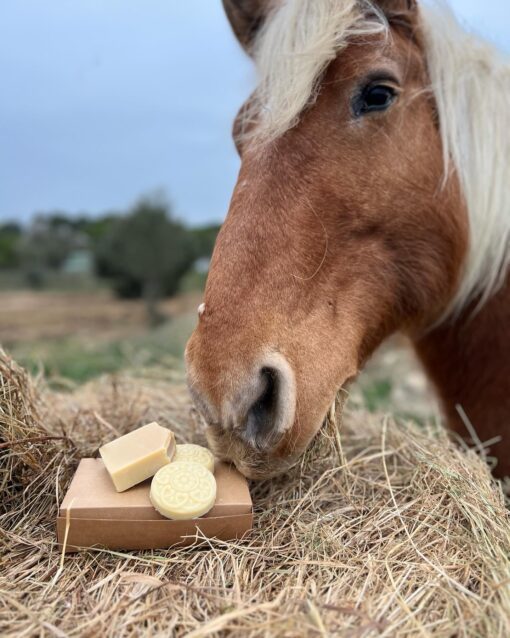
pixel 373 197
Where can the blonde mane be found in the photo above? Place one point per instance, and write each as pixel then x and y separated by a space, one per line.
pixel 471 84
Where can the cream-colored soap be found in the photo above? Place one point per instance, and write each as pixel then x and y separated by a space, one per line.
pixel 183 490
pixel 137 456
pixel 195 453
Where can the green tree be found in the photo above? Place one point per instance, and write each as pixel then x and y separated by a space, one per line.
pixel 47 243
pixel 204 238
pixel 146 253
pixel 10 235
pixel 96 228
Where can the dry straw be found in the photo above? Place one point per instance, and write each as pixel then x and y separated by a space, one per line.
pixel 385 530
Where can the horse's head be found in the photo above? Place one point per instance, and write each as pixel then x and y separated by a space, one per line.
pixel 340 230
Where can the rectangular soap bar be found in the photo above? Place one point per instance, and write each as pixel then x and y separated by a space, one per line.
pixel 137 456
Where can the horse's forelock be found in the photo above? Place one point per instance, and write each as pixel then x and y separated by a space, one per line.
pixel 297 42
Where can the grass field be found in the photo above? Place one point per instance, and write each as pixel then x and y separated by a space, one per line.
pixel 74 337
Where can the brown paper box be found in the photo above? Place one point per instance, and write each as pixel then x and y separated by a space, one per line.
pixel 96 514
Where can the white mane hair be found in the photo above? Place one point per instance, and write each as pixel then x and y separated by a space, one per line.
pixel 471 85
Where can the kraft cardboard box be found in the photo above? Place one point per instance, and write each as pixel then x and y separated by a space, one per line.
pixel 93 513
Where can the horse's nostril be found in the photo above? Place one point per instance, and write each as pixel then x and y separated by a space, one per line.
pixel 263 415
pixel 258 409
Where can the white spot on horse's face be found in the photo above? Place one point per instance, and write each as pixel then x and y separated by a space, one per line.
pixel 201 309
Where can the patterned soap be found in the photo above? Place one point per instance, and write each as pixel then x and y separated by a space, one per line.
pixel 183 490
pixel 196 453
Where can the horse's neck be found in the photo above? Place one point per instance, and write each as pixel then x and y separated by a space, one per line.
pixel 469 362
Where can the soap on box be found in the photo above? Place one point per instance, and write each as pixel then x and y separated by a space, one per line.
pixel 94 513
pixel 138 455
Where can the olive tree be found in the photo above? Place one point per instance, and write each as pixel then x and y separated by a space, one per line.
pixel 146 253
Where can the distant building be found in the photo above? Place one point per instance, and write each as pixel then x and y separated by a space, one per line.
pixel 79 262
pixel 202 265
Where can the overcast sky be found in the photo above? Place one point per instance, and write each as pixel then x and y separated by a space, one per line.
pixel 104 100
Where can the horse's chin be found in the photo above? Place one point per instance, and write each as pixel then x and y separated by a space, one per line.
pixel 253 463
pixel 256 473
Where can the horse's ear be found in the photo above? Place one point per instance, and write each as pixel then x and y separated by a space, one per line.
pixel 246 17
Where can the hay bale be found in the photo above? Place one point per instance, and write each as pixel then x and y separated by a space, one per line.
pixel 389 529
pixel 26 446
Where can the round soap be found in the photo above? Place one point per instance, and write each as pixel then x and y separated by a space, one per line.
pixel 183 490
pixel 196 453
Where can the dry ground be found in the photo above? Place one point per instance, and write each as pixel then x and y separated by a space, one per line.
pixel 73 337
pixel 28 316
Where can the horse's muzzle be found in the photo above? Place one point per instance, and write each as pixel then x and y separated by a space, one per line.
pixel 258 407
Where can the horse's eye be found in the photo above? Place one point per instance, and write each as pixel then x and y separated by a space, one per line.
pixel 374 97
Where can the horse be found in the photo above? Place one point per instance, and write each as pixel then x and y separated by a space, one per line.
pixel 372 198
